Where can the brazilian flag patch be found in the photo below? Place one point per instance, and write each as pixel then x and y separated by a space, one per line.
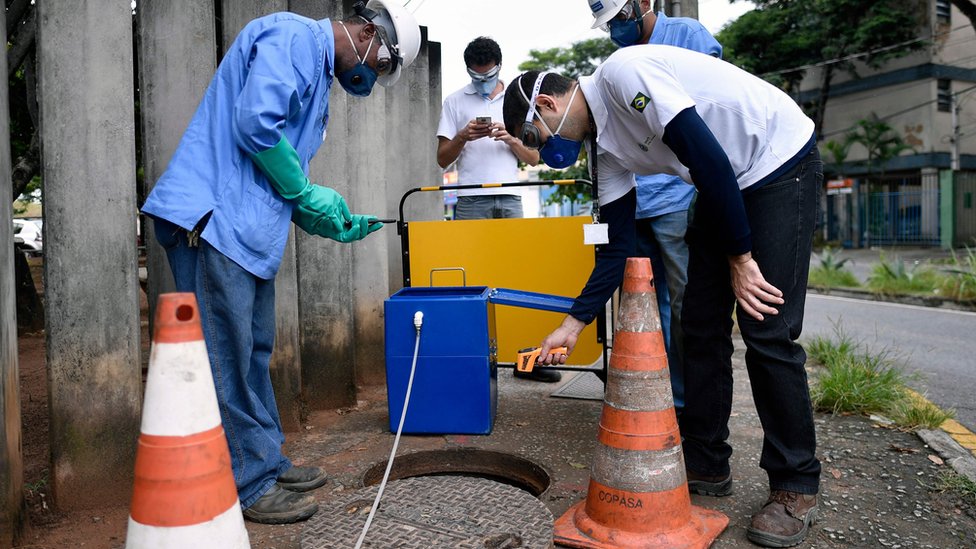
pixel 640 102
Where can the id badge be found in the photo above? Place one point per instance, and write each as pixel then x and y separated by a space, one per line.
pixel 595 234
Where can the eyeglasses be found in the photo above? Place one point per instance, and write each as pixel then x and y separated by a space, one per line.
pixel 484 76
pixel 626 13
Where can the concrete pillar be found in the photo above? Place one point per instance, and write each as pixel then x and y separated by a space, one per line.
pixel 285 365
pixel 325 274
pixel 92 312
pixel 929 221
pixel 177 60
pixel 12 510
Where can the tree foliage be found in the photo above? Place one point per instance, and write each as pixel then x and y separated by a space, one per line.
pixel 880 140
pixel 579 59
pixel 780 38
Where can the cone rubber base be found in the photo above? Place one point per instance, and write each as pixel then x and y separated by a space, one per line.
pixel 576 529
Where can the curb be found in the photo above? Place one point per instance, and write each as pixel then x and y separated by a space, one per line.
pixel 920 301
pixel 953 441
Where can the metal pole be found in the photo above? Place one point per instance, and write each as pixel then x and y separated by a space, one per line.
pixel 954 108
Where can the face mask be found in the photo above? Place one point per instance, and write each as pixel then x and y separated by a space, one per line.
pixel 484 83
pixel 625 33
pixel 559 152
pixel 485 87
pixel 358 80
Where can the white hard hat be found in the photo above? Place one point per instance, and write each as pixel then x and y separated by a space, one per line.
pixel 605 10
pixel 402 30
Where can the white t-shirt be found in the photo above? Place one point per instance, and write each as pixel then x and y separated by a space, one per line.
pixel 638 90
pixel 482 160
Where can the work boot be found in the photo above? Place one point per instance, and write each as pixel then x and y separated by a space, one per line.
pixel 784 519
pixel 540 374
pixel 280 506
pixel 302 479
pixel 704 485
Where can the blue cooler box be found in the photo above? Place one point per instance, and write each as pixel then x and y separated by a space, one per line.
pixel 455 387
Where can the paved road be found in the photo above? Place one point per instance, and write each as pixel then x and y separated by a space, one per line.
pixel 938 343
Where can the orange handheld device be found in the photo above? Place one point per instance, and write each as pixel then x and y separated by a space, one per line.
pixel 527 357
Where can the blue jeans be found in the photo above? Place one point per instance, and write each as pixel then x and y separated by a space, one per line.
pixel 782 216
pixel 662 239
pixel 490 206
pixel 238 317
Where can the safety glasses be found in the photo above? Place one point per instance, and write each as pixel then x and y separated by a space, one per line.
pixel 626 13
pixel 388 57
pixel 484 76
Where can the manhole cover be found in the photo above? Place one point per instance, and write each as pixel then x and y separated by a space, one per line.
pixel 434 513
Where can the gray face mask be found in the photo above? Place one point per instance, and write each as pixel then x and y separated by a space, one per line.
pixel 485 83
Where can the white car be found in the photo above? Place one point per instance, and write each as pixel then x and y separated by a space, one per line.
pixel 28 236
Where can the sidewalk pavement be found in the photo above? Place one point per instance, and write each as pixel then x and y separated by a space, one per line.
pixel 879 486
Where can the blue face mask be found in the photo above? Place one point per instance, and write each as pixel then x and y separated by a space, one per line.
pixel 360 78
pixel 559 152
pixel 484 88
pixel 625 33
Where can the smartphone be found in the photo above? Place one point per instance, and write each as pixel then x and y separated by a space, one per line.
pixel 486 120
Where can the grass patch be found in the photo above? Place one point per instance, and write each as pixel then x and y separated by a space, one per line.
pixel 830 272
pixel 951 481
pixel 855 381
pixel 959 276
pixel 895 277
pixel 915 412
pixel 833 279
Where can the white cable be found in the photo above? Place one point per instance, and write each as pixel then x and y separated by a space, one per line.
pixel 418 320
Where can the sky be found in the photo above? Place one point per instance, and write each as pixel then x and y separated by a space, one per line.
pixel 522 25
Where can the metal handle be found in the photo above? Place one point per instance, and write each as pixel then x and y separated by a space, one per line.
pixel 464 275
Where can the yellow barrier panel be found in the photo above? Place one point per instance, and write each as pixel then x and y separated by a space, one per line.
pixel 544 255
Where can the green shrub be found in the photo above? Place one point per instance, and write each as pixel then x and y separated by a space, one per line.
pixel 891 278
pixel 959 278
pixel 830 272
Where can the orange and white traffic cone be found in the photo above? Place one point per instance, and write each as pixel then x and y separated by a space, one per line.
pixel 184 493
pixel 638 493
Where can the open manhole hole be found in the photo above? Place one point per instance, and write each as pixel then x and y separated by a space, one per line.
pixel 465 462
pixel 458 499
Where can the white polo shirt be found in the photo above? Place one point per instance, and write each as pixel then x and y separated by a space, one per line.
pixel 482 160
pixel 638 90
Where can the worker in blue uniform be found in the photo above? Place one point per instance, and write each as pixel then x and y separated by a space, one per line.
pixel 662 200
pixel 223 206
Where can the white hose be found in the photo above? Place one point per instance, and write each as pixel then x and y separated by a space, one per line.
pixel 418 320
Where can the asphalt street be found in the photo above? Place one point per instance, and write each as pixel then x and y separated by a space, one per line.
pixel 939 344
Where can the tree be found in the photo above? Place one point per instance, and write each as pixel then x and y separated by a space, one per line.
pixel 968 8
pixel 787 35
pixel 880 140
pixel 579 59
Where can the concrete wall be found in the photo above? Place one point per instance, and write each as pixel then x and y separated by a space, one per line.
pixel 91 280
pixel 11 458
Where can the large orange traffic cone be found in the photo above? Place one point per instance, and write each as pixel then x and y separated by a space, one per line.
pixel 638 493
pixel 184 493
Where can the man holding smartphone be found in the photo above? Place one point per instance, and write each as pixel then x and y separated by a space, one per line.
pixel 471 134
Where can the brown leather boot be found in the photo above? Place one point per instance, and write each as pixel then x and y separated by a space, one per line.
pixel 784 519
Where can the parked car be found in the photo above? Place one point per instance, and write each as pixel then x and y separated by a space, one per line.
pixel 28 236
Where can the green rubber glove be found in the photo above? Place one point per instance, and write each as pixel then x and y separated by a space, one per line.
pixel 354 227
pixel 318 210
